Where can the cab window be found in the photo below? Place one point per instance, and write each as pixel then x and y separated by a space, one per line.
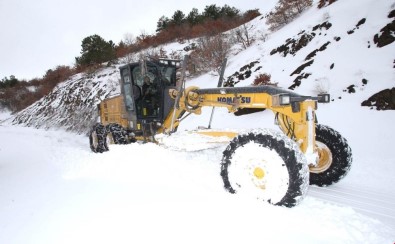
pixel 148 104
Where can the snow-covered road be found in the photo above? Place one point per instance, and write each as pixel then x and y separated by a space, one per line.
pixel 369 202
pixel 54 190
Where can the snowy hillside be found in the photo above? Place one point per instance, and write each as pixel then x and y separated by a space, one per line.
pixel 71 104
pixel 55 190
pixel 323 50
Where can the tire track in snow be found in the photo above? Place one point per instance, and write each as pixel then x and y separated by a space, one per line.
pixel 375 204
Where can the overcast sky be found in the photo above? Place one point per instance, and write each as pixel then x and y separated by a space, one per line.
pixel 38 35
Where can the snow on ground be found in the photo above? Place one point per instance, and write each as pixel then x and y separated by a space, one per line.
pixel 4 114
pixel 54 190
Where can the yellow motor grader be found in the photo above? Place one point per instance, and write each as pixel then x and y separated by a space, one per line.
pixel 275 166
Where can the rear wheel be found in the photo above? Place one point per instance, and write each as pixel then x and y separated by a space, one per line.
pixel 98 138
pixel 117 133
pixel 335 157
pixel 267 165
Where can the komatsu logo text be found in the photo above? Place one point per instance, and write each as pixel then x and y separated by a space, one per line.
pixel 230 100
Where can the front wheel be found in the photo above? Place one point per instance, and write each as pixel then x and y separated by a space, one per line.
pixel 334 155
pixel 267 165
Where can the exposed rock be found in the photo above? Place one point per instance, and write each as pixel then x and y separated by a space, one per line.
pixel 243 73
pixel 351 89
pixel 298 80
pixel 392 14
pixel 361 22
pixel 387 35
pixel 326 25
pixel 293 45
pixel 383 100
pixel 313 53
pixel 301 68
pixel 190 47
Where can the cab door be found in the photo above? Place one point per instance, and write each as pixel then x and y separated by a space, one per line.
pixel 149 86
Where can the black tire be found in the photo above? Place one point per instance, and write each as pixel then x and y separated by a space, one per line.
pixel 98 138
pixel 335 157
pixel 118 133
pixel 278 175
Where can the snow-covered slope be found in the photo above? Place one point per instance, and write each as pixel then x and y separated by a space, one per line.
pixel 71 104
pixel 336 42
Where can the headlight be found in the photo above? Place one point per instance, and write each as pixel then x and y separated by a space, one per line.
pixel 281 100
pixel 324 98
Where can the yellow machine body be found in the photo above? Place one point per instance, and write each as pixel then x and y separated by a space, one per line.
pixel 295 114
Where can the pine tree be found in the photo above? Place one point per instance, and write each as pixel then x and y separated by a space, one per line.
pixel 162 23
pixel 212 11
pixel 95 50
pixel 194 17
pixel 229 12
pixel 178 18
pixel 8 82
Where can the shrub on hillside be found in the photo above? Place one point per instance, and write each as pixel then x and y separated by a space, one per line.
pixel 244 35
pixel 210 53
pixel 324 3
pixel 53 76
pixel 18 97
pixel 22 94
pixel 263 79
pixel 285 11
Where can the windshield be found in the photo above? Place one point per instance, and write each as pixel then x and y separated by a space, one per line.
pixel 148 103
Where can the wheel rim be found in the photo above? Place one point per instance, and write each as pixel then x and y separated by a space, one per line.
pixel 110 138
pixel 95 142
pixel 324 159
pixel 258 171
pixel 258 175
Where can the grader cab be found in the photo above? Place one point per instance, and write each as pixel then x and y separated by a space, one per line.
pixel 144 102
pixel 275 166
